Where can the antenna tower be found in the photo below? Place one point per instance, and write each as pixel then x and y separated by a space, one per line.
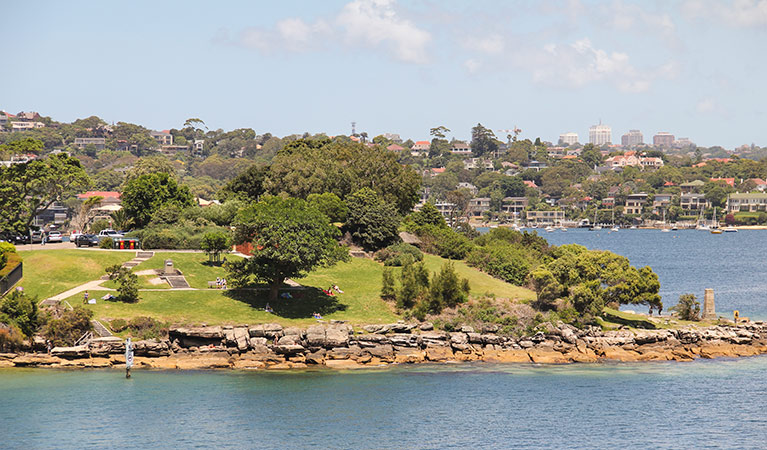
pixel 354 128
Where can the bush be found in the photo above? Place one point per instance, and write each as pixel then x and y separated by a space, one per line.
pixel 688 307
pixel 69 327
pixel 127 289
pixel 118 325
pixel 5 249
pixel 214 243
pixel 11 338
pixel 20 310
pixel 147 328
pixel 398 255
pixel 504 261
pixel 107 243
pixel 99 225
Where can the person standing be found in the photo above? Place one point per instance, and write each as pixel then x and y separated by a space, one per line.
pixel 85 298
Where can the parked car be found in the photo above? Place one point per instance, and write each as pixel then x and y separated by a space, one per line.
pixel 54 236
pixel 15 239
pixel 36 237
pixel 90 240
pixel 110 234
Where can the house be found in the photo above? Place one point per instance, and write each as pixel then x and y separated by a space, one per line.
pixel 761 185
pixel 435 171
pixel 692 186
pixel 530 184
pixel 170 150
pixel 18 159
pixel 395 148
pixel 421 146
pixel 628 159
pixel 661 202
pixel 479 205
pixel 21 126
pixel 692 201
pixel 99 143
pixel 608 202
pixel 162 137
pixel 460 148
pixel 109 203
pixel 514 205
pixel 728 181
pixel 535 165
pixel 747 202
pixel 198 146
pixel 445 208
pixel 28 117
pixel 545 218
pixel 651 162
pixel 464 185
pixel 5 118
pixel 635 203
pixel 556 152
pixel 477 163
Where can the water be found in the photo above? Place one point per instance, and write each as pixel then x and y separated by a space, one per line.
pixel 688 261
pixel 648 405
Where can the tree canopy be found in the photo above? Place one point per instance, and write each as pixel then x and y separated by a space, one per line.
pixel 289 239
pixel 144 195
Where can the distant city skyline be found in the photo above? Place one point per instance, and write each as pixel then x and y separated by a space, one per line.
pixel 397 67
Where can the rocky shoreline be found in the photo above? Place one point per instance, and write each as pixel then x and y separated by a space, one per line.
pixel 338 345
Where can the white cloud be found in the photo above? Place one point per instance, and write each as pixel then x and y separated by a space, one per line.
pixel 580 63
pixel 742 13
pixel 376 23
pixel 706 105
pixel 491 45
pixel 372 24
pixel 472 65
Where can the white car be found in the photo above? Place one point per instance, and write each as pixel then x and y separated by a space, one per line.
pixel 54 236
pixel 110 233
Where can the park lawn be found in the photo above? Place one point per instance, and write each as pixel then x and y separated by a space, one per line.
pixel 480 282
pixel 360 279
pixel 143 283
pixel 51 272
pixel 194 267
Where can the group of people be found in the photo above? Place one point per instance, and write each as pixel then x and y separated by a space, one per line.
pixel 317 316
pixel 268 308
pixel 221 283
pixel 331 291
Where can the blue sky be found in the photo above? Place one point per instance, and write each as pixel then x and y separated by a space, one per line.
pixel 695 68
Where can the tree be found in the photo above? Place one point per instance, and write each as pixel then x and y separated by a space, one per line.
pixel 144 195
pixel 150 165
pixel 214 243
pixel 483 141
pixel 127 289
pixel 688 307
pixel 372 222
pixel 29 188
pixel 19 309
pixel 388 291
pixel 289 239
pixel 329 204
pixel 439 144
pixel 86 213
pixel 249 185
pixel 428 215
pixel 591 155
pixel 447 290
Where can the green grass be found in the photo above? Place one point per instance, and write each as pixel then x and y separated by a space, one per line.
pixel 360 279
pixel 51 272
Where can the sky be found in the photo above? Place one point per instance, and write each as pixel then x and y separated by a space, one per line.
pixel 695 68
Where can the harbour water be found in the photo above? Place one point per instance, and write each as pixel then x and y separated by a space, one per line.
pixel 688 261
pixel 702 404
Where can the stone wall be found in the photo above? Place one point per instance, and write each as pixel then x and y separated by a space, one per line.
pixel 338 345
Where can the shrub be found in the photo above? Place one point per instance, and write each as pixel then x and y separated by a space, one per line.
pixel 118 325
pixel 107 243
pixel 11 338
pixel 99 225
pixel 388 291
pixel 147 328
pixel 688 307
pixel 398 255
pixel 504 261
pixel 69 327
pixel 5 249
pixel 127 289
pixel 19 309
pixel 329 204
pixel 214 243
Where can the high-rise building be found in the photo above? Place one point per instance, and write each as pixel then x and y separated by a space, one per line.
pixel 568 138
pixel 600 134
pixel 663 139
pixel 632 138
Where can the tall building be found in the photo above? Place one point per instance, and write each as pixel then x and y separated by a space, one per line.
pixel 663 139
pixel 568 138
pixel 632 138
pixel 600 134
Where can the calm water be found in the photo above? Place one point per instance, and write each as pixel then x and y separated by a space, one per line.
pixel 703 404
pixel 688 261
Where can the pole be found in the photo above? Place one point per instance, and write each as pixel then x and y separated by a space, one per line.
pixel 128 357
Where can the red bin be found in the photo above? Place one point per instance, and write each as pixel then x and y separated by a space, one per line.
pixel 122 245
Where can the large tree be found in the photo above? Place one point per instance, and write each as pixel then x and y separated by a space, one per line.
pixel 314 166
pixel 289 239
pixel 372 222
pixel 483 141
pixel 144 195
pixel 249 185
pixel 29 188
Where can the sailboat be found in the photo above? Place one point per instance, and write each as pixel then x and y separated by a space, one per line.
pixel 701 223
pixel 614 227
pixel 596 226
pixel 665 228
pixel 715 225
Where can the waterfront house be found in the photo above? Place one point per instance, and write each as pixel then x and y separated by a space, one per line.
pixel 747 202
pixel 661 202
pixel 514 205
pixel 693 201
pixel 479 205
pixel 545 218
pixel 635 203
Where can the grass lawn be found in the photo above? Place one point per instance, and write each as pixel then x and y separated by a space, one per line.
pixel 360 279
pixel 51 272
pixel 194 266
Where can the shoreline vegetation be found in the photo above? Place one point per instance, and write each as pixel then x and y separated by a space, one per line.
pixel 341 346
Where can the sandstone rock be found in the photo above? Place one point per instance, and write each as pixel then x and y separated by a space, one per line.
pixel 80 351
pixel 342 353
pixel 404 340
pixel 152 348
pixel 526 344
pixel 474 338
pixel 317 357
pixel 619 354
pixel 507 356
pixel 35 360
pixel 439 353
pixel 343 364
pixel 383 352
pixel 458 338
pixel 409 355
pixel 373 328
pixel 544 356
pixel 249 364
pixel 426 326
pixel 289 349
pixel 467 329
pixel 266 330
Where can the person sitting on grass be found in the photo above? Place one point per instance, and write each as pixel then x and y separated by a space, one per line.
pixel 317 316
pixel 286 295
pixel 268 308
pixel 337 289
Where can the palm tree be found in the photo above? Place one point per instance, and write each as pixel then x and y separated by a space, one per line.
pixel 120 220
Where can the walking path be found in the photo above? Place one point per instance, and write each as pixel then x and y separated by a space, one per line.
pixel 140 257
